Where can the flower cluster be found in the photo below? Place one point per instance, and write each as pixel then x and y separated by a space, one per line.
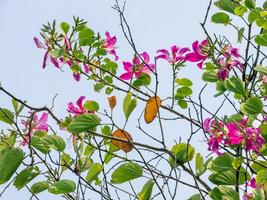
pixel 34 124
pixel 233 133
pixel 109 44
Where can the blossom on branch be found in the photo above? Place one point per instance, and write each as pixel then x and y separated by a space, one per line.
pixel 137 66
pixel 175 56
pixel 55 61
pixel 109 45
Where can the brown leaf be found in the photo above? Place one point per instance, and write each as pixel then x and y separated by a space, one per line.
pixel 112 100
pixel 124 135
pixel 152 108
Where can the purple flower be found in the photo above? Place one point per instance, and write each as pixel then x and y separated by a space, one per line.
pixel 55 61
pixel 176 54
pixel 109 45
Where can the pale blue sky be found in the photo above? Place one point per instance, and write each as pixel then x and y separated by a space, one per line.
pixel 155 24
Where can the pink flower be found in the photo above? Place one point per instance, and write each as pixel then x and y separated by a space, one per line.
pixel 248 196
pixel 176 55
pixel 228 62
pixel 79 108
pixel 35 124
pixel 137 67
pixel 234 135
pixel 77 74
pixel 67 43
pixel 198 54
pixel 55 61
pixel 231 52
pixel 109 45
pixel 254 139
pixel 251 183
pixel 214 143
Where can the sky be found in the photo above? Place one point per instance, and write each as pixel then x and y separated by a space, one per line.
pixel 155 24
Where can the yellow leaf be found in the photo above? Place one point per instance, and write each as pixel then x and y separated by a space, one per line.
pixel 123 145
pixel 152 108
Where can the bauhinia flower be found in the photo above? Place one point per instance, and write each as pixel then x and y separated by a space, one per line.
pixel 137 66
pixel 79 108
pixel 56 61
pixel 216 128
pixel 199 53
pixel 109 45
pixel 76 73
pixel 176 55
pixel 228 61
pixel 34 124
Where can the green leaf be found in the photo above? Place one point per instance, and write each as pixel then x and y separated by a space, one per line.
pixel 91 106
pixel 195 197
pixel 261 69
pixel 228 177
pixel 6 116
pixel 240 10
pixel 182 103
pixel 126 172
pixel 210 76
pixel 259 193
pixel 25 176
pixel 65 27
pixel 146 191
pixel 129 105
pixel 93 172
pixel 220 18
pixel 86 37
pixel 200 168
pixel 183 92
pixel 39 187
pixel 83 123
pixel 62 187
pixel 10 160
pixel 261 177
pixel 224 193
pixel 182 153
pixel 184 82
pixel 253 16
pixel 253 106
pixel 142 80
pixel 55 53
pixel 55 142
pixel 227 5
pixel 15 105
pixel 65 161
pixel 261 39
pixel 240 34
pixel 101 52
pixel 251 4
pixel 234 84
pixel 222 163
pixel 39 144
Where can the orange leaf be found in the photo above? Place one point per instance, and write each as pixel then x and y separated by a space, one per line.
pixel 125 146
pixel 152 108
pixel 112 101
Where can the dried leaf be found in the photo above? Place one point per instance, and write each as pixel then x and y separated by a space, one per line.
pixel 112 100
pixel 124 135
pixel 152 108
